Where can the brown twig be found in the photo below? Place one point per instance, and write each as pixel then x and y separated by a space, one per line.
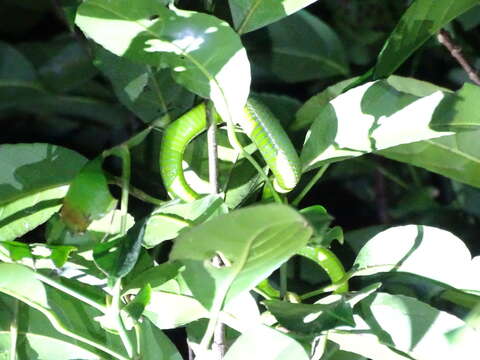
pixel 455 50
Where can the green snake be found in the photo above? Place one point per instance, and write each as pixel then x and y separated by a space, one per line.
pixel 258 123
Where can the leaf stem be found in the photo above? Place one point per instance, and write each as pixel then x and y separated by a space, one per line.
pixel 135 192
pixel 218 346
pixel 212 149
pixel 14 330
pixel 71 292
pixel 310 185
pixel 283 280
pixel 126 173
pixel 115 308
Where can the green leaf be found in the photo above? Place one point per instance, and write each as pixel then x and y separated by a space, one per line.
pixel 57 232
pixel 417 249
pixel 455 156
pixel 249 15
pixel 117 258
pixel 294 57
pixel 269 344
pixel 311 318
pixel 155 345
pixel 88 197
pixel 282 106
pixel 136 307
pixel 62 63
pixel 148 93
pixel 152 34
pixel 155 277
pixel 306 115
pixel 380 115
pixel 58 254
pixel 167 221
pixel 28 168
pixel 169 310
pixel 171 304
pixel 260 239
pixel 364 342
pixel 439 295
pixel 33 181
pixel 18 80
pixel 415 328
pixel 319 219
pixel 422 20
pixel 37 339
pixel 70 318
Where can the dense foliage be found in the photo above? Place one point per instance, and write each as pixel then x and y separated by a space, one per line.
pixel 204 178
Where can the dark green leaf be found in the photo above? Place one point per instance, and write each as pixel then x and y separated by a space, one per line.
pixel 62 63
pixel 150 94
pixel 117 258
pixel 294 57
pixel 422 20
pixel 18 80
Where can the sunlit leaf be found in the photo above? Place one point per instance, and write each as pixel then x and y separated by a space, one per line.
pixel 149 33
pixel 415 327
pixel 269 344
pixel 68 317
pixel 34 180
pixel 455 156
pixel 37 339
pixel 166 222
pixel 259 240
pixel 380 115
pixel 249 15
pixel 311 318
pixel 410 249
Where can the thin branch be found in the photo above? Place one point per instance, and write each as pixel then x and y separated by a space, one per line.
pixel 212 149
pixel 218 345
pixel 310 185
pixel 455 50
pixel 136 192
